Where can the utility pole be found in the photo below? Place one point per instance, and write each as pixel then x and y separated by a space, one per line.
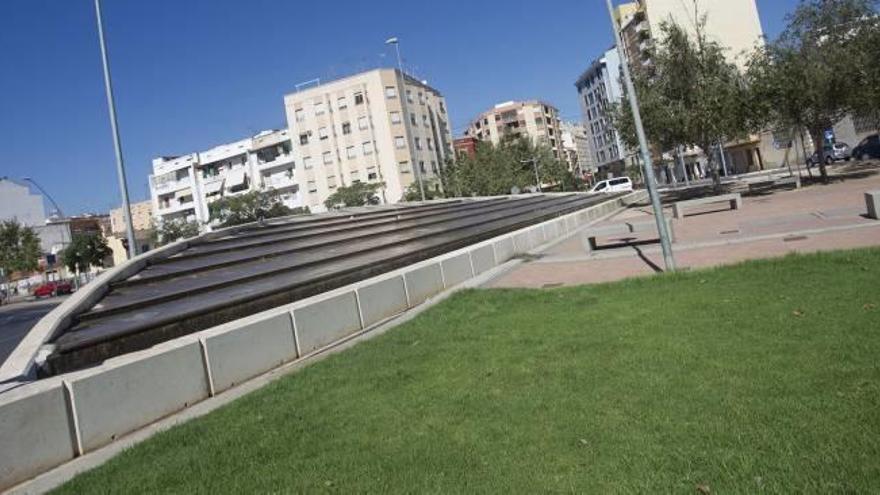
pixel 406 123
pixel 647 164
pixel 117 145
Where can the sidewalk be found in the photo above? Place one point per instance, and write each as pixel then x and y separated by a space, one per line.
pixel 815 218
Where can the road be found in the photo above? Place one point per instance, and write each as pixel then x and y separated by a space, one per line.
pixel 17 319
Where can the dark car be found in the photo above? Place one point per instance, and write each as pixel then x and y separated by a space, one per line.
pixel 50 289
pixel 869 148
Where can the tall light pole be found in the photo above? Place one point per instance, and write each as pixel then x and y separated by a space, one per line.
pixel 51 199
pixel 406 123
pixel 117 145
pixel 647 163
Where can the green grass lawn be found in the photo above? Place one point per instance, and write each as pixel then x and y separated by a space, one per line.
pixel 762 377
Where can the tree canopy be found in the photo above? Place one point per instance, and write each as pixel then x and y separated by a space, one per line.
pixel 357 194
pixel 822 67
pixel 19 248
pixel 173 230
pixel 496 170
pixel 254 206
pixel 85 251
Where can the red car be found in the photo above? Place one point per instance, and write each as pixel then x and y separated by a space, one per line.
pixel 50 289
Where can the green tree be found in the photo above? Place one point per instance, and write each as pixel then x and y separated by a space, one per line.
pixel 19 248
pixel 85 251
pixel 433 190
pixel 254 206
pixel 865 102
pixel 811 76
pixel 357 194
pixel 496 170
pixel 173 230
pixel 699 107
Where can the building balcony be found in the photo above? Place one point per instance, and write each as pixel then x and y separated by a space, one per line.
pixel 170 186
pixel 285 160
pixel 278 182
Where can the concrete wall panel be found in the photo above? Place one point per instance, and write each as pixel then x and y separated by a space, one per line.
pixel 456 270
pixel 382 300
pixel 504 250
pixel 244 352
pixel 120 398
pixel 523 242
pixel 324 322
pixel 483 258
pixel 35 433
pixel 423 283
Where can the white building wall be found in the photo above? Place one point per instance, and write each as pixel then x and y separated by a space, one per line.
pixel 17 203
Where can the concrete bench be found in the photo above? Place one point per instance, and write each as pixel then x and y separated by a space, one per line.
pixel 872 202
pixel 734 199
pixel 591 234
pixel 793 182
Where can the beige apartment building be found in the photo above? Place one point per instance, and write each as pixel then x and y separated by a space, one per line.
pixel 369 127
pixel 537 120
pixel 141 217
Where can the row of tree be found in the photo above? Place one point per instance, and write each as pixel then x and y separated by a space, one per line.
pixel 822 67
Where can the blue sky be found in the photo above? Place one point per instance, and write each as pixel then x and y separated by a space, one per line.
pixel 190 74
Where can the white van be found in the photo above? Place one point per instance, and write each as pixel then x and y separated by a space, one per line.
pixel 620 184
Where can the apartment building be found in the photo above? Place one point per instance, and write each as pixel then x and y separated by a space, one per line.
pixel 599 88
pixel 537 120
pixel 182 187
pixel 576 143
pixel 378 126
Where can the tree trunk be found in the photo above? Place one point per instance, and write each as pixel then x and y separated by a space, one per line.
pixel 818 136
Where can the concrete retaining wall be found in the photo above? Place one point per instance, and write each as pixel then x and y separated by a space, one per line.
pixel 46 423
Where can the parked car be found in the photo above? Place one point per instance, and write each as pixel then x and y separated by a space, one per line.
pixel 833 153
pixel 869 148
pixel 50 289
pixel 620 184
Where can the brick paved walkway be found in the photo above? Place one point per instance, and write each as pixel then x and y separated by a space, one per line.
pixel 815 218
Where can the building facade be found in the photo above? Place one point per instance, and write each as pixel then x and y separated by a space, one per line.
pixel 378 126
pixel 17 203
pixel 536 120
pixel 182 187
pixel 576 143
pixel 599 88
pixel 465 146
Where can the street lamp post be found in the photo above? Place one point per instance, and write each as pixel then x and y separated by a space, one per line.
pixel 406 123
pixel 51 199
pixel 117 145
pixel 647 164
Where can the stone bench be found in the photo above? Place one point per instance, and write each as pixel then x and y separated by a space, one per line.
pixel 734 199
pixel 793 182
pixel 591 234
pixel 872 202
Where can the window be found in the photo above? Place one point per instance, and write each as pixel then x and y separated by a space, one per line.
pixel 350 152
pixel 421 98
pixel 409 96
pixel 346 128
pixel 312 187
pixel 430 144
pixel 320 108
pixel 371 173
pixel 363 123
pixel 328 158
pixel 299 115
pixel 403 167
pixel 331 181
pixel 425 121
pixel 433 166
pixel 418 143
pixel 355 175
pixel 304 138
pixel 358 98
pixel 422 166
pixel 368 148
pixel 307 162
pixel 341 103
pixel 442 107
pixel 390 92
pixel 412 119
pixel 322 133
pixel 399 142
pixel 395 117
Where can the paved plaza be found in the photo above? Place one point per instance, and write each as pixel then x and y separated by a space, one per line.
pixel 817 217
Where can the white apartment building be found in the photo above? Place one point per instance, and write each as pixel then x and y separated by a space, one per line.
pixel 537 120
pixel 182 187
pixel 376 126
pixel 576 143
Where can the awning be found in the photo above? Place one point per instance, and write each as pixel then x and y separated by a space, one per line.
pixel 213 187
pixel 183 193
